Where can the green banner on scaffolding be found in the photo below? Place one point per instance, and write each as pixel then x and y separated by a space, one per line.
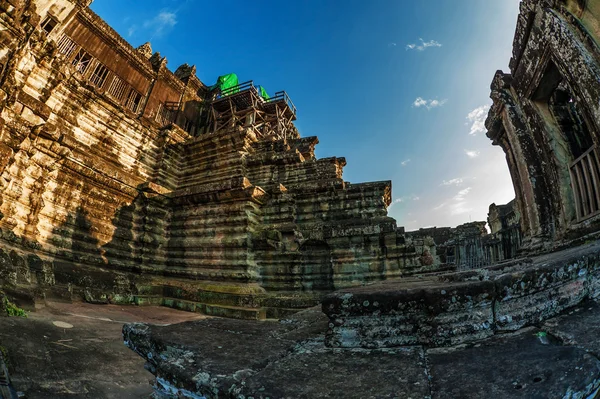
pixel 227 84
pixel 263 93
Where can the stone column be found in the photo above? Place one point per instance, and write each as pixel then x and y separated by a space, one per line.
pixel 506 126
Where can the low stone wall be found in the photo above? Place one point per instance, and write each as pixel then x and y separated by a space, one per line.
pixel 454 308
pixel 218 358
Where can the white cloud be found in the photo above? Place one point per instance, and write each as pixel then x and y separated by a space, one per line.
pixel 489 182
pixel 162 22
pixel 472 154
pixel 440 206
pixel 462 193
pixel 429 104
pixel 423 45
pixel 392 44
pixel 131 30
pixel 396 201
pixel 436 103
pixel 405 162
pixel 404 199
pixel 477 119
pixel 453 182
pixel 459 205
pixel 419 102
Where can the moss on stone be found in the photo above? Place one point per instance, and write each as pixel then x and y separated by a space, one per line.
pixel 10 308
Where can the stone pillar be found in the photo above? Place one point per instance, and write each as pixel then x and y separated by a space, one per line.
pixel 508 129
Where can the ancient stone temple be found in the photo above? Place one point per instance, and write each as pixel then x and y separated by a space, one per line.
pixel 521 328
pixel 546 117
pixel 123 182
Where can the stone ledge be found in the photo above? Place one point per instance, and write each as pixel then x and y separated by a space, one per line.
pixel 37 107
pixel 449 309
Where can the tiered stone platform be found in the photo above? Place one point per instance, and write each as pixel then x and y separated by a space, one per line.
pixel 112 201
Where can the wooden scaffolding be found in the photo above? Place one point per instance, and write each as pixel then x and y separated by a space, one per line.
pixel 242 106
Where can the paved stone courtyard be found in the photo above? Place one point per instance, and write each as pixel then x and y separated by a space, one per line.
pixel 50 359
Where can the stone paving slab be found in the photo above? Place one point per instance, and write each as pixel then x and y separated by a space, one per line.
pixel 520 365
pixel 332 373
pixel 579 327
pixel 49 360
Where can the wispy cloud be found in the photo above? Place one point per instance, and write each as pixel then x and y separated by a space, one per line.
pixel 396 201
pixel 453 182
pixel 405 162
pixel 162 23
pixel 392 44
pixel 440 206
pixel 477 118
pixel 461 194
pixel 429 104
pixel 446 205
pixel 423 45
pixel 472 154
pixel 404 199
pixel 459 205
pixel 131 30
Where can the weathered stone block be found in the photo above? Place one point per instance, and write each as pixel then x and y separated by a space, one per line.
pixel 455 308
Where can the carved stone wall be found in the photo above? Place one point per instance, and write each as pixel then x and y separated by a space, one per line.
pixel 546 117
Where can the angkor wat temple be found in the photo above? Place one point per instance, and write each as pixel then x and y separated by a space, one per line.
pixel 122 182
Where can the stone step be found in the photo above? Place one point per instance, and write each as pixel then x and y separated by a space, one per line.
pixel 235 312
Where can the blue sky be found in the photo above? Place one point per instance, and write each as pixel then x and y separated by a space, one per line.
pixel 397 87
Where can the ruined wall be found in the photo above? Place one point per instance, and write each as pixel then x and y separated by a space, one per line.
pixel 470 245
pixel 505 239
pixel 466 246
pixel 105 197
pixel 545 117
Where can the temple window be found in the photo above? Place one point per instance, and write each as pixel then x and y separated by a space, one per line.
pixel 82 61
pixel 66 46
pixel 134 100
pixel 99 75
pixel 167 113
pixel 48 24
pixel 117 88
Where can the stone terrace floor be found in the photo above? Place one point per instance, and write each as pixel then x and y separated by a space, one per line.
pixel 88 360
pixel 251 359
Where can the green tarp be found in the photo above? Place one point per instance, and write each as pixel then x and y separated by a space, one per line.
pixel 227 85
pixel 263 93
pixel 226 82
